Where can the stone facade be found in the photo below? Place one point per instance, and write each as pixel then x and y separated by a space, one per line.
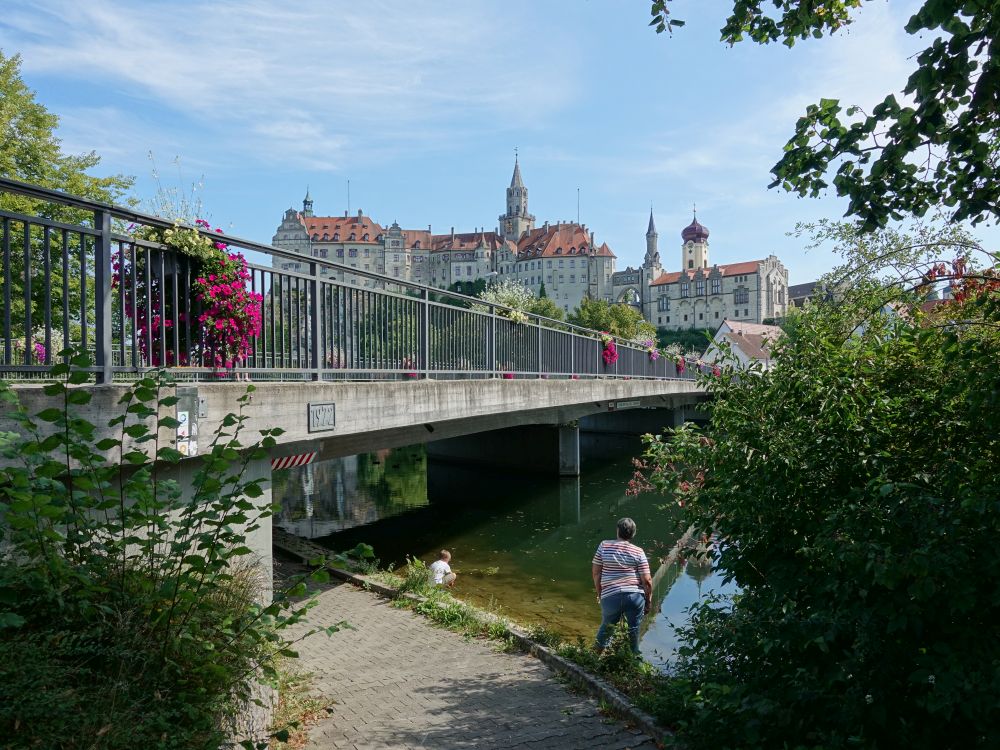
pixel 564 257
pixel 703 295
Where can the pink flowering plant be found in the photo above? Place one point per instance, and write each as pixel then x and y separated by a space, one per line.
pixel 224 314
pixel 651 350
pixel 231 314
pixel 610 351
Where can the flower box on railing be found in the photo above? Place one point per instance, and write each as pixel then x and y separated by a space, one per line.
pixel 508 376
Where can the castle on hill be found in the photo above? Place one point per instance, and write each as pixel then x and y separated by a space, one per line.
pixel 563 256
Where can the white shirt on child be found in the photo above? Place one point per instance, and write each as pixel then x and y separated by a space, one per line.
pixel 440 569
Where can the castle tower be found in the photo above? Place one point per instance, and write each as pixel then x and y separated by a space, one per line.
pixel 307 204
pixel 694 251
pixel 517 220
pixel 652 259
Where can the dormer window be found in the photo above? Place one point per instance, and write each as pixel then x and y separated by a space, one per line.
pixel 416 245
pixel 336 236
pixel 353 236
pixel 364 237
pixel 315 238
pixel 558 251
pixel 326 236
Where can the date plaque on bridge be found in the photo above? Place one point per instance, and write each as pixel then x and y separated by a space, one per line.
pixel 617 406
pixel 322 417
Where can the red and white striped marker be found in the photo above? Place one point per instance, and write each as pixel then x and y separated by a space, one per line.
pixel 288 462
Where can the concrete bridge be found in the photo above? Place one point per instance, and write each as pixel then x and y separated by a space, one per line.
pixel 344 361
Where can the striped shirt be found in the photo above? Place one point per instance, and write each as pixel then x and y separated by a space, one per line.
pixel 623 566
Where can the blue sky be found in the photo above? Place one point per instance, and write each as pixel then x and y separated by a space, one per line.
pixel 421 104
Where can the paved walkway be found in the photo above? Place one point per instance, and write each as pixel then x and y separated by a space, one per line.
pixel 399 682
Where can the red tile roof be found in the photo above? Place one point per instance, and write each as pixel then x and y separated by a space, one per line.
pixel 754 345
pixel 557 240
pixel 755 329
pixel 342 225
pixel 732 269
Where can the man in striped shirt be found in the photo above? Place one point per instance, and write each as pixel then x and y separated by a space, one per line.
pixel 624 586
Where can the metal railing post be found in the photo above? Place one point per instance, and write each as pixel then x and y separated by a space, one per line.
pixel 102 295
pixel 491 342
pixel 539 321
pixel 572 354
pixel 425 333
pixel 316 323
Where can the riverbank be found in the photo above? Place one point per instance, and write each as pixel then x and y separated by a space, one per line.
pixel 631 689
pixel 395 680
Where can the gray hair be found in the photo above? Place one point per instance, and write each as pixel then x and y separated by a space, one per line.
pixel 626 529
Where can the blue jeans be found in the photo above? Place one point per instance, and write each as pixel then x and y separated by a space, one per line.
pixel 631 604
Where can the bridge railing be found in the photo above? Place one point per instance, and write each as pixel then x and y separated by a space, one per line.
pixel 73 270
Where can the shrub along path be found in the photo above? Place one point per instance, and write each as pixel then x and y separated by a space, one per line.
pixel 397 681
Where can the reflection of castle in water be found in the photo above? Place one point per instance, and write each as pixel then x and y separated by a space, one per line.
pixel 330 496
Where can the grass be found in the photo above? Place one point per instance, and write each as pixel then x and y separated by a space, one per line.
pixel 297 708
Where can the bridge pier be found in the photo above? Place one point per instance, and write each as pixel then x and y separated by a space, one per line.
pixel 539 449
pixel 569 450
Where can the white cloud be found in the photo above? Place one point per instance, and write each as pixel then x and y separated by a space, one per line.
pixel 291 82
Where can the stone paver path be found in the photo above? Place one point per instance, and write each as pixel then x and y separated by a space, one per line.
pixel 399 682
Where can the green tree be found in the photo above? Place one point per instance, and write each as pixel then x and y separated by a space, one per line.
pixel 30 152
pixel 542 294
pixel 689 339
pixel 934 145
pixel 547 308
pixel 854 487
pixel 619 320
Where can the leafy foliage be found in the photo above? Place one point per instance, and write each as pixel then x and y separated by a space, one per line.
pixel 623 321
pixel 855 485
pixel 936 144
pixel 131 610
pixel 31 152
pixel 692 340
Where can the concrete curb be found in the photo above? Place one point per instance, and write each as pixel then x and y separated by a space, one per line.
pixel 305 550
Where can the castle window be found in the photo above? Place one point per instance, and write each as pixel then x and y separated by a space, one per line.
pixel 699 287
pixel 690 264
pixel 548 264
pixel 416 245
pixel 663 304
pixel 340 252
pixel 716 286
pixel 336 236
pixel 353 236
pixel 326 236
pixel 315 238
pixel 741 295
pixel 365 237
pixel 353 252
pixel 685 289
pixel 572 262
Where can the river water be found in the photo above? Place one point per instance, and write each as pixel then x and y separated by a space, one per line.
pixel 520 543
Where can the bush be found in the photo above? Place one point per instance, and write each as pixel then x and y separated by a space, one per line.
pixel 130 611
pixel 856 483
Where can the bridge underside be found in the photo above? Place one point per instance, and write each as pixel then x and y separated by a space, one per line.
pixel 342 419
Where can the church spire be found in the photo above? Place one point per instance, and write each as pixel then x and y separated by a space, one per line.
pixel 652 260
pixel 307 204
pixel 515 180
pixel 517 220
